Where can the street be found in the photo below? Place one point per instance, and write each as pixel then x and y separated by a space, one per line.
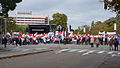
pixel 52 60
pixel 72 57
pixel 59 34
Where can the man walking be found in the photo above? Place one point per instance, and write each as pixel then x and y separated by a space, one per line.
pixel 116 43
pixel 4 41
pixel 20 41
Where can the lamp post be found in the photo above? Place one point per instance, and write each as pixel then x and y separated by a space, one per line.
pixel 5 21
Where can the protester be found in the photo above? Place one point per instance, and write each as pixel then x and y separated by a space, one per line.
pixel 92 41
pixel 111 42
pixel 61 38
pixel 116 43
pixel 20 41
pixel 97 42
pixel 4 41
pixel 16 41
pixel 106 41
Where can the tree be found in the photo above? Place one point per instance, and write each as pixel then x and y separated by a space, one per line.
pixel 51 22
pixel 86 27
pixel 110 22
pixel 60 19
pixel 107 26
pixel 7 5
pixel 98 28
pixel 22 28
pixel 92 24
pixel 113 5
pixel 11 26
pixel 78 31
pixel 98 22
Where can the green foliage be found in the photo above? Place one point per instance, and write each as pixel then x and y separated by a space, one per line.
pixel 100 27
pixel 59 19
pixel 98 22
pixel 11 26
pixel 22 28
pixel 51 22
pixel 8 5
pixel 92 24
pixel 1 25
pixel 78 31
pixel 118 28
pixel 111 21
pixel 107 26
pixel 113 5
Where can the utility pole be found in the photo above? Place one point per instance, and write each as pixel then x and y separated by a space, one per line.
pixel 5 21
pixel 115 27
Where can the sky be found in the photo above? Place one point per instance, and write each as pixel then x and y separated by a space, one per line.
pixel 79 12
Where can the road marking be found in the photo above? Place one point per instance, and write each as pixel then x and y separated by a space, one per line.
pixel 101 52
pixel 26 50
pixel 82 51
pixel 89 52
pixel 118 53
pixel 16 47
pixel 111 52
pixel 63 50
pixel 39 48
pixel 74 50
pixel 113 55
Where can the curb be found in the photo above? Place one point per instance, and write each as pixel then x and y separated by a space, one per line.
pixel 24 54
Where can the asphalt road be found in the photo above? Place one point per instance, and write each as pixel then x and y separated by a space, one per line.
pixel 63 56
pixel 55 59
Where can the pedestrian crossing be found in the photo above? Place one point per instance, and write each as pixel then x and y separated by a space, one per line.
pixel 89 51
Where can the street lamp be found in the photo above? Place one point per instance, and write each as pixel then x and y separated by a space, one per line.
pixel 5 20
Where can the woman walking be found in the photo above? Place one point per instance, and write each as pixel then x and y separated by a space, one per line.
pixel 92 41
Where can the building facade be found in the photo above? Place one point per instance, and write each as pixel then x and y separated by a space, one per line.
pixel 36 23
pixel 26 18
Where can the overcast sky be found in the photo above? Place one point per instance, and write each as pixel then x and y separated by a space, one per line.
pixel 79 12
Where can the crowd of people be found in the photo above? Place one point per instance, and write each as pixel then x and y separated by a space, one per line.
pixel 109 40
pixel 19 39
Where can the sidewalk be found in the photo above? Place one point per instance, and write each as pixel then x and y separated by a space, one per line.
pixel 10 53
